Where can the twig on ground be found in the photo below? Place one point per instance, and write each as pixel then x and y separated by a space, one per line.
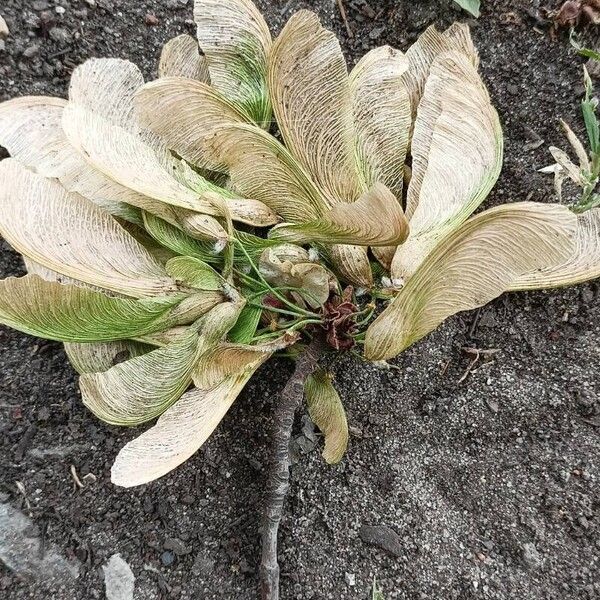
pixel 476 353
pixel 481 351
pixel 43 535
pixel 25 442
pixel 467 372
pixel 278 477
pixel 340 4
pixel 445 368
pixel 78 483
pixel 23 493
pixel 475 323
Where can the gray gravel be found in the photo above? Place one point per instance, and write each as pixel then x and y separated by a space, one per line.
pixel 23 551
pixel 119 580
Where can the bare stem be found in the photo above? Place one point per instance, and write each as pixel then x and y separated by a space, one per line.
pixel 278 477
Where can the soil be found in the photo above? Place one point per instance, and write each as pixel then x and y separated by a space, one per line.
pixel 484 486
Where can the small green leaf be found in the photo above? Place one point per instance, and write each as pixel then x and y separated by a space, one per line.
pixel 471 6
pixel 591 125
pixel 589 53
pixel 195 273
pixel 178 241
pixel 243 331
pixel 582 50
pixel 588 106
pixel 253 245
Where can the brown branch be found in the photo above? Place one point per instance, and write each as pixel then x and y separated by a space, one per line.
pixel 278 477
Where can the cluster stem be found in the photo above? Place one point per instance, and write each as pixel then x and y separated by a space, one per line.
pixel 278 477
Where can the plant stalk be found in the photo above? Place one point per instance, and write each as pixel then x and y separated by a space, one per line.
pixel 278 476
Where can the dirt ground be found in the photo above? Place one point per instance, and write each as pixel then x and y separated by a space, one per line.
pixel 481 487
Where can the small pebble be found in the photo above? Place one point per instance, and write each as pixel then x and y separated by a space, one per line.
pixel 60 35
pixel 376 32
pixel 45 20
pixel 176 546
pixel 350 579
pixel 587 295
pixel 31 51
pixel 492 405
pixel 383 537
pixel 531 556
pixel 167 558
pixel 203 565
pixel 151 20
